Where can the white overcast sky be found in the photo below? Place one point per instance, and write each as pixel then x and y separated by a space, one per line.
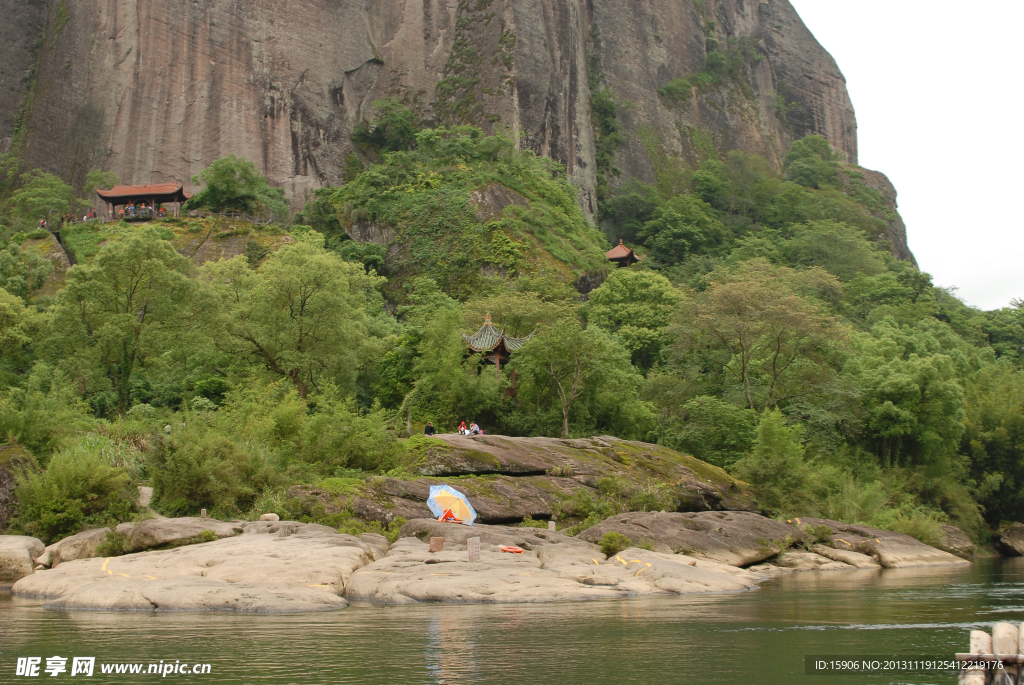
pixel 937 90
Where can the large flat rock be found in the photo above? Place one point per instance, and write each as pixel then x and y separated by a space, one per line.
pixel 283 568
pixel 17 557
pixel 892 550
pixel 554 572
pixel 736 538
pixel 455 535
pixel 699 485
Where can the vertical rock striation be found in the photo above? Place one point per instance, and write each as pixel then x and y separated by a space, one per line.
pixel 156 90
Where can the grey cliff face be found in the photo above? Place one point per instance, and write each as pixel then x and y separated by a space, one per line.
pixel 156 90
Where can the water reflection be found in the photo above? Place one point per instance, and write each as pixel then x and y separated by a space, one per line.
pixel 758 636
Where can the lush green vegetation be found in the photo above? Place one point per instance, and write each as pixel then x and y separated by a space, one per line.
pixel 460 205
pixel 768 331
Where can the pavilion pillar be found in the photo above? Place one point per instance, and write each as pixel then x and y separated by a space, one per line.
pixel 497 363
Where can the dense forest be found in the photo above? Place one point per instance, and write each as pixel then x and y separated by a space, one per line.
pixel 768 330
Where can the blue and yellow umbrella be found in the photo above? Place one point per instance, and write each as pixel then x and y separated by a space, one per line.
pixel 447 503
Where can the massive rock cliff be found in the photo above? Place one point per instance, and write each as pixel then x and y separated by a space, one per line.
pixel 155 90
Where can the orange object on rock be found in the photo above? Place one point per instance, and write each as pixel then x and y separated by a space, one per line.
pixel 511 549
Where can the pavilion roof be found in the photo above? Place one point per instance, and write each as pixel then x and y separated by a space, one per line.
pixel 147 190
pixel 490 336
pixel 620 251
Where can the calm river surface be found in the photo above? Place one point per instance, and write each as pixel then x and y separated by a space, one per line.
pixel 758 637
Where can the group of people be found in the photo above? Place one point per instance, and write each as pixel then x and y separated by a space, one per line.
pixel 473 429
pixel 71 218
pixel 68 219
pixel 142 210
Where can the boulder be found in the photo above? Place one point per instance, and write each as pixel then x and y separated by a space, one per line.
pixel 159 532
pixel 807 561
pixel 282 528
pixel 736 538
pixel 957 542
pixel 552 572
pixel 261 571
pixel 17 557
pixel 269 517
pixel 145 496
pixel 378 544
pixel 78 546
pixel 699 486
pixel 854 559
pixel 507 479
pixel 893 550
pixel 1011 539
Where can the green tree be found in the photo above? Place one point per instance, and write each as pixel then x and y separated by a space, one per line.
pixel 517 313
pixel 776 467
pixel 771 343
pixel 912 393
pixel 839 249
pixel 18 325
pixel 22 271
pixel 124 308
pixel 78 488
pixel 565 363
pixel 41 196
pixel 636 307
pixel 711 429
pixel 97 178
pixel 300 316
pixel 994 439
pixel 393 128
pixel 811 162
pixel 449 385
pixel 684 225
pixel 235 184
pixel 43 413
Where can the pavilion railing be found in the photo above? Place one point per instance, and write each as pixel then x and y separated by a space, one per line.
pixel 145 215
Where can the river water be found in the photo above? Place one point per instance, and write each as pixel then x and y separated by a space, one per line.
pixel 758 637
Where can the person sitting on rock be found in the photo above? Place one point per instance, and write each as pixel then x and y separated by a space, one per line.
pixel 474 429
pixel 462 429
pixel 429 429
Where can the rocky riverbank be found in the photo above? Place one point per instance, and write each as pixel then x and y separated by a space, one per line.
pixel 194 564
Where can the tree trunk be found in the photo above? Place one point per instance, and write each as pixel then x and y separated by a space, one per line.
pixel 300 385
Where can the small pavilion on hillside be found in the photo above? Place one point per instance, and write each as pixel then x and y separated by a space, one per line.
pixel 151 195
pixel 495 346
pixel 622 255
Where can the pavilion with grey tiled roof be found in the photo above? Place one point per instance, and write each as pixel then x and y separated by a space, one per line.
pixel 495 345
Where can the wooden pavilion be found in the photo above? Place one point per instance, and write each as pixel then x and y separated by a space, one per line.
pixel 495 346
pixel 622 255
pixel 152 195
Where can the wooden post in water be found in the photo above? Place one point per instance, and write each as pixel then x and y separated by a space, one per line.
pixel 1005 640
pixel 981 643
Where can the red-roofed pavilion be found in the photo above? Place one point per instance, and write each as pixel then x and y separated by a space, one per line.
pixel 150 194
pixel 622 255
